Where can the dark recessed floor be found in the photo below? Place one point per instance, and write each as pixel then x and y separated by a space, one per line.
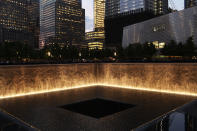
pixel 97 108
pixel 43 110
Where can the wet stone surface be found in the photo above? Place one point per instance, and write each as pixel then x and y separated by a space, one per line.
pixel 57 110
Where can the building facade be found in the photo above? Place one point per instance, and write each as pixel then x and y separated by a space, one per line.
pixel 177 26
pixel 121 13
pixel 34 20
pixel 99 13
pixel 158 7
pixel 114 7
pixel 127 5
pixel 62 22
pixel 14 22
pixel 190 3
pixel 95 39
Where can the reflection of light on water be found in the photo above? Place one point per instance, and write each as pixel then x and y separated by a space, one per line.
pixel 93 85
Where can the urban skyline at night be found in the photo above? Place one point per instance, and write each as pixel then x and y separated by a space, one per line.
pixel 88 6
pixel 98 65
pixel 60 27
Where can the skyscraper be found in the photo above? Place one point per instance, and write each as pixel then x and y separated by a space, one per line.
pixel 114 7
pixel 120 13
pixel 34 20
pixel 127 5
pixel 96 38
pixel 190 3
pixel 62 22
pixel 158 7
pixel 99 13
pixel 14 23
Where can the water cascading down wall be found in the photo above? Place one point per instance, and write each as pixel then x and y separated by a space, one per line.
pixel 27 80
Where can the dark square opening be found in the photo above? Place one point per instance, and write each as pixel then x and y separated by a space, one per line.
pixel 97 108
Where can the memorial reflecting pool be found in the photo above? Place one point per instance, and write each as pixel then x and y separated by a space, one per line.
pixel 45 112
pixel 62 97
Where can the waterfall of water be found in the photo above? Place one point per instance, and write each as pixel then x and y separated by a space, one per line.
pixel 27 80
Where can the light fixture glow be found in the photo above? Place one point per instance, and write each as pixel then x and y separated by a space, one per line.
pixel 99 84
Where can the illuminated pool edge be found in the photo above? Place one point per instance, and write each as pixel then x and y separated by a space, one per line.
pixel 93 85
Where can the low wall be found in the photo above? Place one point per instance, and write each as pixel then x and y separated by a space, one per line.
pixel 19 80
pixel 173 78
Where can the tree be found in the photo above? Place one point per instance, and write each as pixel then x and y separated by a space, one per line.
pixel 189 47
pixel 85 54
pixel 170 49
pixel 53 51
pixel 120 52
pixel 108 53
pixel 134 50
pixel 96 53
pixel 2 51
pixel 148 50
pixel 180 51
pixel 10 51
pixel 74 52
pixel 70 52
pixel 23 50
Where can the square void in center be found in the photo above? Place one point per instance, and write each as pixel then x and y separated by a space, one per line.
pixel 97 108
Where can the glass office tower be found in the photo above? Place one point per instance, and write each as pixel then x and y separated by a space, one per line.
pixel 158 7
pixel 190 3
pixel 121 13
pixel 127 5
pixel 14 22
pixel 97 37
pixel 99 13
pixel 114 7
pixel 34 20
pixel 62 22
